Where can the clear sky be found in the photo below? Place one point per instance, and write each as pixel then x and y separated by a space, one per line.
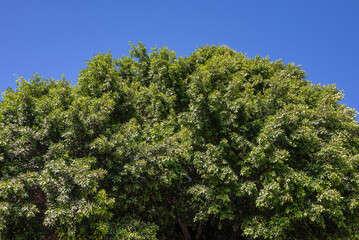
pixel 57 37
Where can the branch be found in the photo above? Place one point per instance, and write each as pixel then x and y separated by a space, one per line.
pixel 199 231
pixel 185 231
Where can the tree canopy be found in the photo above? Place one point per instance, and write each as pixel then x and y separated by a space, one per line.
pixel 154 146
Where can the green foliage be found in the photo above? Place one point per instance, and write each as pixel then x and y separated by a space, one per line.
pixel 131 229
pixel 211 146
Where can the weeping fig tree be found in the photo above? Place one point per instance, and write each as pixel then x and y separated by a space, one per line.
pixel 154 146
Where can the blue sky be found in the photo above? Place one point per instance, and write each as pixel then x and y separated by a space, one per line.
pixel 57 37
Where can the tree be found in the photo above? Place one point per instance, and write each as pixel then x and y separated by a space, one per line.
pixel 150 146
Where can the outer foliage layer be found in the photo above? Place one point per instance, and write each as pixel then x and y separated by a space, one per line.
pixel 212 146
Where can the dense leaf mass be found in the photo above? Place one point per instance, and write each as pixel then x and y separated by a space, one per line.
pixel 150 146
